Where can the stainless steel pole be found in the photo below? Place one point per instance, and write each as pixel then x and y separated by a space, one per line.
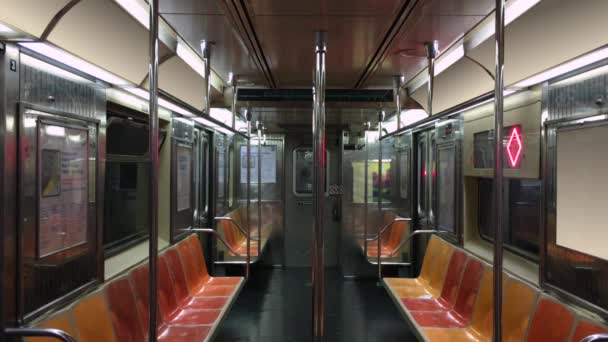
pixel 397 95
pixel 431 54
pixel 498 166
pixel 154 166
pixel 380 119
pixel 248 116
pixel 206 49
pixel 259 188
pixel 234 82
pixel 318 132
pixel 365 190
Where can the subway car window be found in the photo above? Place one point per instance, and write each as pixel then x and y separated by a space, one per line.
pixel 127 184
pixel 446 193
pixel 522 214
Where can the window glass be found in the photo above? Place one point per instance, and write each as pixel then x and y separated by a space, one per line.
pixel 446 190
pixel 126 184
pixel 422 178
pixel 303 171
pixel 522 214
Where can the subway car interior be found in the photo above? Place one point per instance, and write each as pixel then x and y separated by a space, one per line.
pixel 320 170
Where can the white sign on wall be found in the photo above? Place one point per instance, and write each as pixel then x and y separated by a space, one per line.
pixel 268 164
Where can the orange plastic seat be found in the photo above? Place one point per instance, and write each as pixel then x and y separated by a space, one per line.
pixel 460 315
pixel 518 304
pixel 586 328
pixel 184 299
pixel 234 237
pixel 431 288
pixel 199 259
pixel 166 333
pixel 430 264
pixel 552 322
pixel 61 322
pixel 481 326
pixel 171 312
pixel 92 319
pixel 123 310
pixel 450 288
pixel 197 282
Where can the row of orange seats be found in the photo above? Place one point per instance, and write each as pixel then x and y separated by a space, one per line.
pixel 452 300
pixel 390 239
pixel 191 303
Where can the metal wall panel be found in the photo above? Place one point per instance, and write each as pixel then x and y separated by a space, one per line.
pixel 70 100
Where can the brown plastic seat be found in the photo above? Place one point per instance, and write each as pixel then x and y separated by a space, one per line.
pixel 427 287
pixel 61 322
pixel 460 315
pixel 430 265
pixel 123 310
pixel 182 294
pixel 586 328
pixel 552 322
pixel 92 319
pixel 449 293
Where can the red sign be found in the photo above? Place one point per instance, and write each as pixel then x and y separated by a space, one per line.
pixel 515 147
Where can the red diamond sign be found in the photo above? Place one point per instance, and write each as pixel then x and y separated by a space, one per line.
pixel 515 146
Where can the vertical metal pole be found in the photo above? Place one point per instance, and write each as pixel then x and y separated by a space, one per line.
pixel 431 53
pixel 380 119
pixel 397 95
pixel 498 166
pixel 318 132
pixel 154 166
pixel 259 188
pixel 233 82
pixel 365 190
pixel 248 116
pixel 206 49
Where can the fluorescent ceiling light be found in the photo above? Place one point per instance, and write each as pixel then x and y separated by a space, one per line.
pixel 448 59
pixel 38 64
pixel 162 102
pixel 515 8
pixel 5 29
pixel 68 59
pixel 566 67
pixel 191 58
pixel 214 125
pixel 409 117
pixel 137 10
pixel 222 115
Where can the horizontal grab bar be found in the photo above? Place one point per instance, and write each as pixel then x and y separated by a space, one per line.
pixel 228 218
pixel 39 332
pixel 218 236
pixel 595 338
pixel 383 229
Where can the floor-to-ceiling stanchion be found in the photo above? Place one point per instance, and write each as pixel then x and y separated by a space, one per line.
pixel 206 49
pixel 498 166
pixel 431 54
pixel 259 208
pixel 234 83
pixel 379 261
pixel 248 117
pixel 319 166
pixel 397 98
pixel 154 165
pixel 365 190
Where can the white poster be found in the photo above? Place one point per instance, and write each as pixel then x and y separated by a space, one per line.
pixel 63 188
pixel 268 164
pixel 184 177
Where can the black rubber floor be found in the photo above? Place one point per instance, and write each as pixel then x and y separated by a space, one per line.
pixel 275 305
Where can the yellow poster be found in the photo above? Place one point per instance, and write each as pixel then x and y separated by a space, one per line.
pixel 373 184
